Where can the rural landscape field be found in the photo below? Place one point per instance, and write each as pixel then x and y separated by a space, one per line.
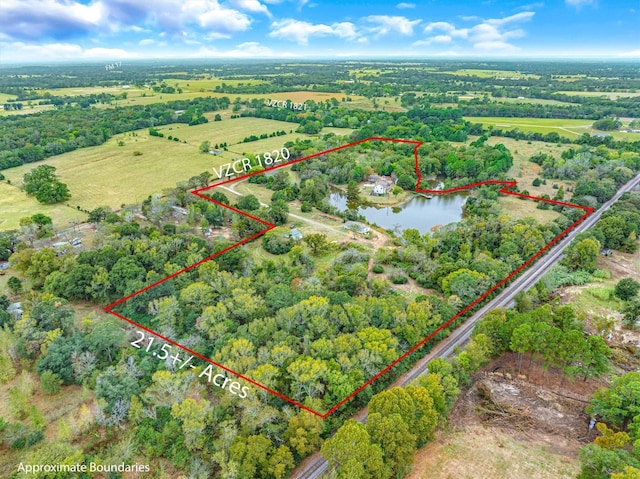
pixel 279 239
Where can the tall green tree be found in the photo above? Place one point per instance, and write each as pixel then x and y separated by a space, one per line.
pixel 352 454
pixel 396 440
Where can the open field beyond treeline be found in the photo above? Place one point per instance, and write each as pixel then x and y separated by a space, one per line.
pixel 112 175
pixel 569 128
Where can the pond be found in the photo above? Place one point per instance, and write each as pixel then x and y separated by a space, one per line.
pixel 418 212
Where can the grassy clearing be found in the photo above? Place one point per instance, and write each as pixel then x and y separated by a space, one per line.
pixel 533 101
pixel 27 110
pixel 489 73
pixel 568 128
pixel 384 104
pixel 512 206
pixel 597 296
pixel 476 452
pixel 14 204
pixel 525 171
pixel 613 95
pixel 5 97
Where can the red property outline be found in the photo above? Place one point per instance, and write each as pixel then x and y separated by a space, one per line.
pixel 505 190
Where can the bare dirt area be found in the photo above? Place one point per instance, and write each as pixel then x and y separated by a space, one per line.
pixel 512 423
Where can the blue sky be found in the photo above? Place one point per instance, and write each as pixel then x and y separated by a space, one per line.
pixel 117 30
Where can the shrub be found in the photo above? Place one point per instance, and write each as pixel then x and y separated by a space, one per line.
pixel 627 289
pixel 276 243
pixel 399 279
pixel 137 153
pixel 50 383
pixel 536 182
pixel 377 268
pixel 601 274
pixel 306 207
pixel 169 229
pixel 15 285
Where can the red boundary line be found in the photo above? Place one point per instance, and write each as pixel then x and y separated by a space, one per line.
pixel 505 190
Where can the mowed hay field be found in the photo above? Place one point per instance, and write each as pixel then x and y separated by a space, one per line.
pixel 14 204
pixel 567 128
pixel 193 89
pixel 112 175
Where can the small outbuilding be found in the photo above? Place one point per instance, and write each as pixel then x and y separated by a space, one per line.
pixel 357 227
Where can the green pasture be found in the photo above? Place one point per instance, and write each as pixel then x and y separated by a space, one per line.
pixel 568 128
pixel 14 204
pixel 489 73
pixel 613 95
pixel 532 101
pixel 113 175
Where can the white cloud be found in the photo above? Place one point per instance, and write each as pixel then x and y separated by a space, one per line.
pixel 488 35
pixel 146 41
pixel 300 32
pixel 518 17
pixel 432 40
pixel 253 6
pixel 61 20
pixel 579 3
pixel 531 6
pixel 252 49
pixel 447 28
pixel 391 24
pixel 402 5
pixel 33 19
pixel 19 52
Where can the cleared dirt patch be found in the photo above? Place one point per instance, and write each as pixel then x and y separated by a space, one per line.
pixel 511 423
pixel 477 452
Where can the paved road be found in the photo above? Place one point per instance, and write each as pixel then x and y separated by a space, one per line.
pixel 315 466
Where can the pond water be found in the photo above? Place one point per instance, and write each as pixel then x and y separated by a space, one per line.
pixel 418 212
